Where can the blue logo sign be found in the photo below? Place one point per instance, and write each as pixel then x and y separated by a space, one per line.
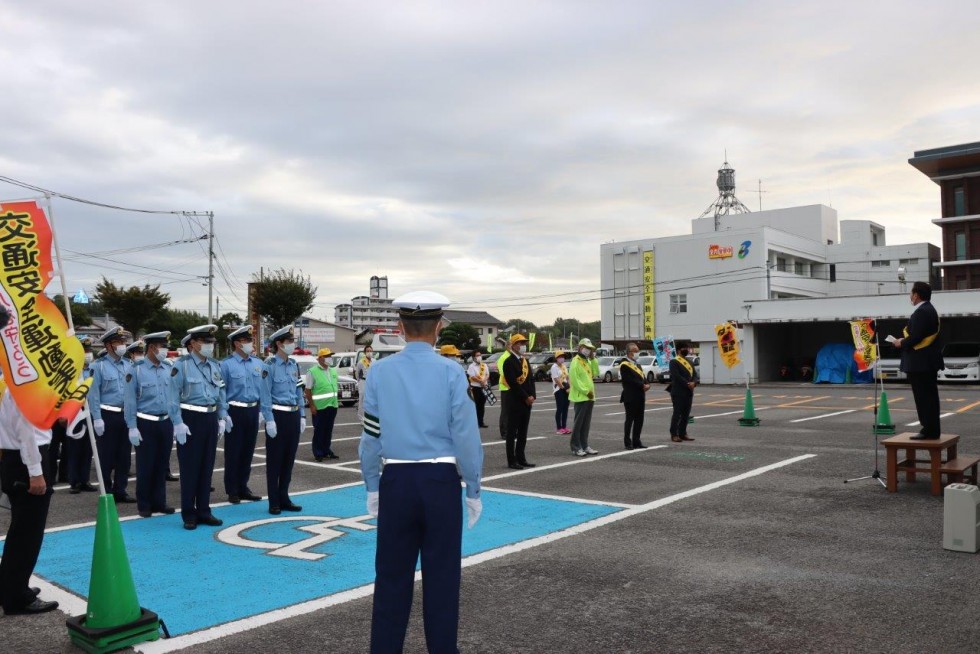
pixel 743 249
pixel 80 297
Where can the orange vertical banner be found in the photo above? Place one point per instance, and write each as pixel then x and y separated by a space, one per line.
pixel 41 363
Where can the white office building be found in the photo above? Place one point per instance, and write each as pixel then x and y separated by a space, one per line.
pixel 369 311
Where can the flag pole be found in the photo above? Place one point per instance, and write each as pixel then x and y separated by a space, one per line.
pixel 71 332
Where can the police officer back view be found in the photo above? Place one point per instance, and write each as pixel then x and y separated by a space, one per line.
pixel 419 421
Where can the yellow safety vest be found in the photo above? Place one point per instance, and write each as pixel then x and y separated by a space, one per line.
pixel 500 369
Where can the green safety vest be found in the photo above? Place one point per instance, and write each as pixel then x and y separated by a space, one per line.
pixel 324 391
pixel 500 369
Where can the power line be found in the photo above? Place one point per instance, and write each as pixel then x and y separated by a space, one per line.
pixel 72 198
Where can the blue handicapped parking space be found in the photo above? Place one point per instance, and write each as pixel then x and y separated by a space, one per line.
pixel 256 562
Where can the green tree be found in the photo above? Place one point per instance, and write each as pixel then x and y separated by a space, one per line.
pixel 462 335
pixel 80 315
pixel 132 307
pixel 519 325
pixel 227 323
pixel 175 321
pixel 282 296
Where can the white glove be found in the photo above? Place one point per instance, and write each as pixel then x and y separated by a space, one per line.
pixel 261 420
pixel 302 425
pixel 134 437
pixel 99 427
pixel 228 425
pixel 373 503
pixel 221 428
pixel 181 432
pixel 270 429
pixel 474 507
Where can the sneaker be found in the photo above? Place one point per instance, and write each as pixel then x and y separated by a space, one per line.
pixel 579 452
pixel 560 431
pixel 589 450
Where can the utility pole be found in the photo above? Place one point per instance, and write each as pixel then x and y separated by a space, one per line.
pixel 210 265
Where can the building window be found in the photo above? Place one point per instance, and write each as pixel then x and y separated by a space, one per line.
pixel 907 262
pixel 874 238
pixel 489 330
pixel 781 264
pixel 882 263
pixel 959 201
pixel 833 272
pixel 798 268
pixel 960 239
pixel 678 303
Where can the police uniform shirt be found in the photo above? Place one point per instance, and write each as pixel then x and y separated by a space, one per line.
pixel 150 392
pixel 245 382
pixel 109 379
pixel 285 386
pixel 196 380
pixel 17 433
pixel 415 408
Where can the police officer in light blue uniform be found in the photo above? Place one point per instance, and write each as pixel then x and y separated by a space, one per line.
pixel 248 399
pixel 200 391
pixel 419 422
pixel 110 375
pixel 286 396
pixel 150 413
pixel 78 447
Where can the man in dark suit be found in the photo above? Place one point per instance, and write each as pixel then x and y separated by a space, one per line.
pixel 922 358
pixel 683 379
pixel 520 379
pixel 633 397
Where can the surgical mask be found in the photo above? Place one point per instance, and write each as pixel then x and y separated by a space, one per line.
pixel 328 362
pixel 162 352
pixel 288 348
pixel 584 351
pixel 631 355
pixel 207 349
pixel 561 360
pixel 478 359
pixel 522 349
pixel 369 355
pixel 247 349
pixel 138 357
pixel 89 357
pixel 119 350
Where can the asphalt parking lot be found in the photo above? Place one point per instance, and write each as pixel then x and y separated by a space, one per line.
pixel 744 540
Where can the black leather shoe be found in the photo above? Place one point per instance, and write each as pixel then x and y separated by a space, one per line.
pixel 639 446
pixel 484 426
pixel 275 510
pixel 190 526
pixel 172 477
pixel 210 521
pixel 125 499
pixel 628 446
pixel 515 466
pixel 234 499
pixel 87 488
pixel 291 507
pixel 167 510
pixel 212 489
pixel 74 490
pixel 331 455
pixel 923 437
pixel 318 459
pixel 37 606
pixel 35 590
pixel 145 514
pixel 250 496
pixel 526 464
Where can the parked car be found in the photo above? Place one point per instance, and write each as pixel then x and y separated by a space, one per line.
pixel 889 369
pixel 346 385
pixel 541 363
pixel 962 362
pixel 491 361
pixel 608 368
pixel 652 372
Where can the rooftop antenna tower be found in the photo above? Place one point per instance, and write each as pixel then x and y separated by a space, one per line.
pixel 726 203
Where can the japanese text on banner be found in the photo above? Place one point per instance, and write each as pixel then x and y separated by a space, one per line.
pixel 865 348
pixel 728 344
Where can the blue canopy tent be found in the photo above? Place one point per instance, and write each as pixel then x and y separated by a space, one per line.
pixel 835 365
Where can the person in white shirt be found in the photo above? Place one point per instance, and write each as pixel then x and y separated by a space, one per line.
pixel 479 376
pixel 560 386
pixel 23 462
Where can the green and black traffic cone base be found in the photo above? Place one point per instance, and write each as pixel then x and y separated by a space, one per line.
pixel 748 418
pixel 883 419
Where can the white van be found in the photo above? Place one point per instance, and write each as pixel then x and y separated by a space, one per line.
pixel 346 386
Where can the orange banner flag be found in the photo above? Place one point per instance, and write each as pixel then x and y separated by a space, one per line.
pixel 41 363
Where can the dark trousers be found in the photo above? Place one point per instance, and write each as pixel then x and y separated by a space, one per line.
pixel 480 400
pixel 504 413
pixel 58 453
pixel 280 456
pixel 634 422
pixel 323 431
pixel 115 453
pixel 240 448
pixel 152 463
pixel 517 423
pixel 682 410
pixel 28 515
pixel 79 455
pixel 420 512
pixel 561 409
pixel 925 390
pixel 196 459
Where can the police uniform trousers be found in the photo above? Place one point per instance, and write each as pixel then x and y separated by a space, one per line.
pixel 115 453
pixel 58 452
pixel 240 448
pixel 420 511
pixel 280 455
pixel 196 459
pixel 79 455
pixel 480 400
pixel 517 423
pixel 634 422
pixel 323 430
pixel 504 413
pixel 925 391
pixel 682 400
pixel 153 462
pixel 28 515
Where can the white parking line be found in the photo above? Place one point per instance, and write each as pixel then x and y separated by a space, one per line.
pixel 728 413
pixel 825 415
pixel 619 413
pixel 578 459
pixel 945 415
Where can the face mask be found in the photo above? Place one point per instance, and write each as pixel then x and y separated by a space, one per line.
pixel 119 350
pixel 89 357
pixel 631 355
pixel 561 360
pixel 138 357
pixel 247 349
pixel 327 362
pixel 162 352
pixel 288 348
pixel 369 355
pixel 207 349
pixel 478 359
pixel 522 349
pixel 584 351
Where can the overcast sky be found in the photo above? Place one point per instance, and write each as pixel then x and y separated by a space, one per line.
pixel 484 149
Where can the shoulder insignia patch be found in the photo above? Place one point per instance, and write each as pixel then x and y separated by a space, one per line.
pixel 265 373
pixel 129 377
pixel 173 371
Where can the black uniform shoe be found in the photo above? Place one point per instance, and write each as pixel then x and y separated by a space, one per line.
pixel 639 446
pixel 87 488
pixel 484 426
pixel 190 526
pixel 526 464
pixel 318 459
pixel 234 499
pixel 291 507
pixel 250 496
pixel 172 477
pixel 125 499
pixel 167 510
pixel 331 455
pixel 37 606
pixel 210 521
pixel 628 446
pixel 145 514
pixel 35 590
pixel 923 437
pixel 515 466
pixel 74 490
pixel 275 510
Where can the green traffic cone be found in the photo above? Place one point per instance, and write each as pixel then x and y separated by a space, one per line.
pixel 883 420
pixel 114 619
pixel 748 418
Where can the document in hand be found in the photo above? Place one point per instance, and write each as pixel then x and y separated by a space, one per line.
pixel 890 339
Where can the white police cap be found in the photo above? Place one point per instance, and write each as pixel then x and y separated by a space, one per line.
pixel 184 341
pixel 282 334
pixel 115 332
pixel 135 345
pixel 240 332
pixel 157 337
pixel 202 330
pixel 420 305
